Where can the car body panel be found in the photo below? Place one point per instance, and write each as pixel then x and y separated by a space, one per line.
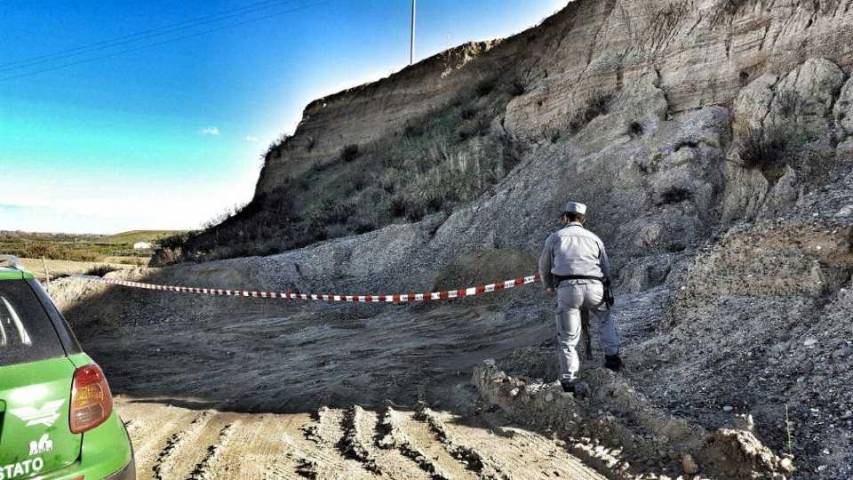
pixel 13 274
pixel 35 437
pixel 105 454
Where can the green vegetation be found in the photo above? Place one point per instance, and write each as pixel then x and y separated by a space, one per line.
pixel 116 248
pixel 133 236
pixel 433 164
pixel 776 146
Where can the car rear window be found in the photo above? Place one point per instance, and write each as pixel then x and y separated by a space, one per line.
pixel 26 332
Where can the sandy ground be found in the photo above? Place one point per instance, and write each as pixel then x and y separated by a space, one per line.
pixel 179 443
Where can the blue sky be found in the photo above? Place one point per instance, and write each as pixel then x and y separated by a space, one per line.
pixel 102 131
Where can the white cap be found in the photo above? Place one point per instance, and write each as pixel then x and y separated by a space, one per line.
pixel 575 207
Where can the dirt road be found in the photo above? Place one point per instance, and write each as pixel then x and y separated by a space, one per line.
pixel 213 388
pixel 354 443
pixel 218 388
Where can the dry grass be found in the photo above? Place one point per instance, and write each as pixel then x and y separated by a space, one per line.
pixel 80 247
pixel 64 268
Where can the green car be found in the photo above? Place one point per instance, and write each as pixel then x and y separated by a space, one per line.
pixel 56 411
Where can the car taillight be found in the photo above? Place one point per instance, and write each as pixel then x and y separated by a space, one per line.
pixel 91 401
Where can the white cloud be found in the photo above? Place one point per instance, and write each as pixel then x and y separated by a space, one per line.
pixel 213 131
pixel 251 138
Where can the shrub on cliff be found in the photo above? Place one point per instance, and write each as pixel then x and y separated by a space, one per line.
pixel 517 87
pixel 349 153
pixel 485 87
pixel 673 195
pixel 765 149
pixel 596 104
pixel 275 148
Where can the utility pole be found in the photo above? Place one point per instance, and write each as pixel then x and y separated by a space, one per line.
pixel 412 35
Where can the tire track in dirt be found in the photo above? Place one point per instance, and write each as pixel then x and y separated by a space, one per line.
pixel 392 463
pixel 149 433
pixel 206 469
pixel 485 468
pixel 320 458
pixel 167 458
pixel 184 450
pixel 355 444
pixel 265 446
pixel 418 444
pixel 513 453
pixel 351 444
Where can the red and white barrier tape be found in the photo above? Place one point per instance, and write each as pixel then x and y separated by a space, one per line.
pixel 330 297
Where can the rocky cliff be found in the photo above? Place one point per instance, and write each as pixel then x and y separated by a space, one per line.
pixel 701 53
pixel 676 101
pixel 713 142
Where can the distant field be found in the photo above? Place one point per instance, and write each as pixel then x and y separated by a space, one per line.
pixel 134 236
pixel 114 249
pixel 62 268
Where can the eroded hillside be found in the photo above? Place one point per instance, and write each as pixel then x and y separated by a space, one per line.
pixel 444 132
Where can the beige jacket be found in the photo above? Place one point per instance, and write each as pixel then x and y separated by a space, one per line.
pixel 573 250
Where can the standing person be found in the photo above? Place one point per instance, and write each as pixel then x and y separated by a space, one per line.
pixel 574 264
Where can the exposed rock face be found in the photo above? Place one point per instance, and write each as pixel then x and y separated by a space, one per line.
pixel 796 110
pixel 598 75
pixel 703 52
pixel 844 109
pixel 644 108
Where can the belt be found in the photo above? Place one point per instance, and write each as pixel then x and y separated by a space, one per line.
pixel 560 278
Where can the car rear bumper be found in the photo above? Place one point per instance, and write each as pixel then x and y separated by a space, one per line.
pixel 95 472
pixel 106 454
pixel 126 473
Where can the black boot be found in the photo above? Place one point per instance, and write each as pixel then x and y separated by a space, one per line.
pixel 576 387
pixel 613 362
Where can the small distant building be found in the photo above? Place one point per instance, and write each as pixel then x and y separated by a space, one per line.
pixel 142 246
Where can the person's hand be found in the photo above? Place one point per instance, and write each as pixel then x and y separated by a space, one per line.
pixel 549 291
